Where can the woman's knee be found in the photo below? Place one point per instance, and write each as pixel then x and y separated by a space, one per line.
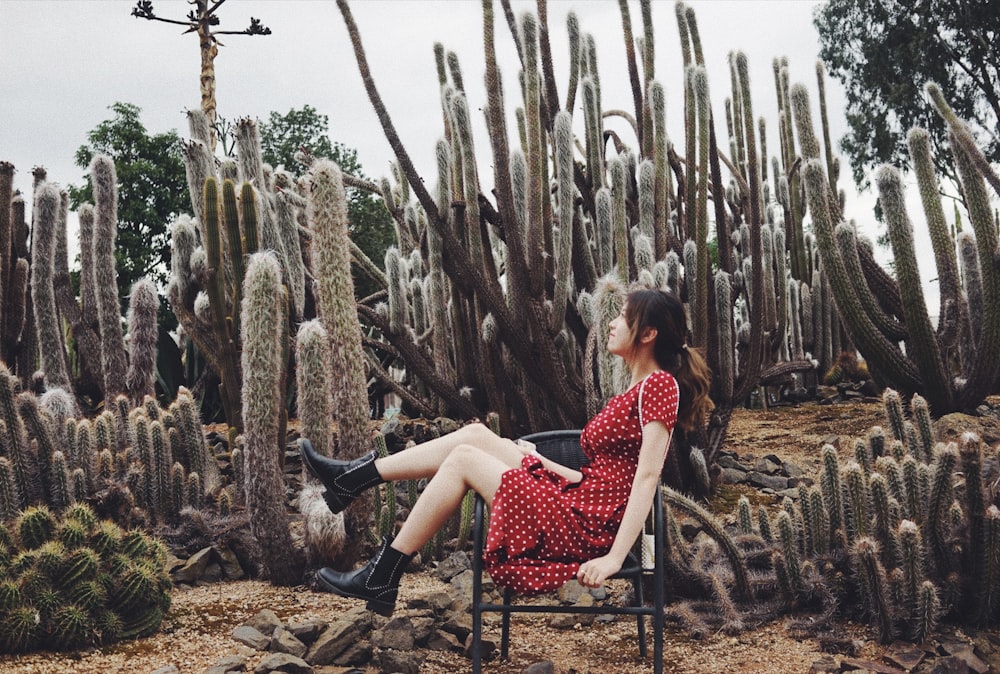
pixel 476 434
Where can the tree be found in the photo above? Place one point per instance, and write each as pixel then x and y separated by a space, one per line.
pixel 371 228
pixel 884 51
pixel 152 190
pixel 200 20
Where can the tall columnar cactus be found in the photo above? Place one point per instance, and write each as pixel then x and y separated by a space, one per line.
pixel 51 350
pixel 142 331
pixel 263 317
pixel 102 172
pixel 13 267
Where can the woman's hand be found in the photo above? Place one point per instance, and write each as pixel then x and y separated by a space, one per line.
pixel 594 572
pixel 525 447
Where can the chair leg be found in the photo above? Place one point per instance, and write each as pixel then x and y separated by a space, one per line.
pixel 505 623
pixel 640 619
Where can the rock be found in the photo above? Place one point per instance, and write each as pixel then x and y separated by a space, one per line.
pixel 733 476
pixel 283 662
pixel 443 641
pixel 192 570
pixel 252 637
pixel 849 664
pixel 211 574
pixel 487 647
pixel 950 427
pixel 460 586
pixel 169 669
pixel 769 465
pixel 833 440
pixel 904 655
pixel 264 621
pixel 454 564
pixel 230 663
pixel 397 634
pixel 231 567
pixel 792 470
pixel 307 631
pixel 570 592
pixel 405 662
pixel 283 641
pixel 950 664
pixel 825 665
pixel 545 667
pixel 762 481
pixel 966 653
pixel 446 425
pixel 338 635
pixel 729 461
pixel 357 654
pixel 567 620
pixel 458 623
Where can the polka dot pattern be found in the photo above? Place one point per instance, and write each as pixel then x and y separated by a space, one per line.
pixel 543 526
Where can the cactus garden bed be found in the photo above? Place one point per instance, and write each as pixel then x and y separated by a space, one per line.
pixel 198 630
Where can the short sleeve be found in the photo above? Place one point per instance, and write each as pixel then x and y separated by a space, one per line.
pixel 658 399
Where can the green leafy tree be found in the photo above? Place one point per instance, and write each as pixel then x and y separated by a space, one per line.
pixel 152 191
pixel 884 51
pixel 371 227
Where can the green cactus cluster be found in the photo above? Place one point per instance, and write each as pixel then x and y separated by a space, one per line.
pixel 75 581
pixel 890 540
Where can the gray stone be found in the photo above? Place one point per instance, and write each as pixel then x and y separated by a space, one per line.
pixel 169 669
pixel 400 662
pixel 338 635
pixel 443 641
pixel 397 634
pixel 446 425
pixel 423 626
pixel 229 663
pixel 283 641
pixel 768 466
pixel 792 493
pixel 792 469
pixel 264 621
pixel 231 567
pixel 825 665
pixel 460 586
pixel 192 570
pixel 544 667
pixel 762 481
pixel 211 574
pixel 729 461
pixel 282 662
pixel 733 476
pixel 458 623
pixel 357 654
pixel 452 565
pixel 252 637
pixel 571 591
pixel 951 664
pixel 308 630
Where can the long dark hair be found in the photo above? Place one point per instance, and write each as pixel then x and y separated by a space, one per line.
pixel 664 312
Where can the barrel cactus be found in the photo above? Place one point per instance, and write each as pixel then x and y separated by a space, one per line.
pixel 77 582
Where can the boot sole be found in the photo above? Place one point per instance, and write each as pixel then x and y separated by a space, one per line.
pixel 383 608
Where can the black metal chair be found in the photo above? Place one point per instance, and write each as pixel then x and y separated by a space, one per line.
pixel 564 447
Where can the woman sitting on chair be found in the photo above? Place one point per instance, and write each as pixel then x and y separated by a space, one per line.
pixel 548 523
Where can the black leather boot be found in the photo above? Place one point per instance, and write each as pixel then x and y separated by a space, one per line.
pixel 377 581
pixel 343 480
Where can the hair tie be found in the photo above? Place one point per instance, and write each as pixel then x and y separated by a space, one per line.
pixel 683 347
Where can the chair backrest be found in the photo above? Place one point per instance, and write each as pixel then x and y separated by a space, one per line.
pixel 561 446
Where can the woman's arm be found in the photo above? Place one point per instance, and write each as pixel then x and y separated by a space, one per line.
pixel 655 443
pixel 528 449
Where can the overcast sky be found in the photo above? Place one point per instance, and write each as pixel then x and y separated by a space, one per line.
pixel 66 61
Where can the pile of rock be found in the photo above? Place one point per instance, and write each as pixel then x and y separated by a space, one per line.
pixel 439 621
pixel 770 474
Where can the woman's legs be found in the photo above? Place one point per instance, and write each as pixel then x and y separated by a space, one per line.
pixel 465 467
pixel 425 459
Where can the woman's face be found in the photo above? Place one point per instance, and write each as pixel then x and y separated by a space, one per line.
pixel 619 335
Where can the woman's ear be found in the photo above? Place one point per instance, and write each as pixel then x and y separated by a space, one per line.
pixel 648 335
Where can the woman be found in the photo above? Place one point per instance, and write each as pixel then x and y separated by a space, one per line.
pixel 548 523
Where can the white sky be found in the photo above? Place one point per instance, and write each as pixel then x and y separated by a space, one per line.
pixel 66 61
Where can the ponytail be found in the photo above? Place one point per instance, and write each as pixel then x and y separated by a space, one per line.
pixel 693 379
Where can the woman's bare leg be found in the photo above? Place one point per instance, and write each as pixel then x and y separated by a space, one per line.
pixel 425 459
pixel 465 467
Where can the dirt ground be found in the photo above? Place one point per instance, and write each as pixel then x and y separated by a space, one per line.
pixel 197 633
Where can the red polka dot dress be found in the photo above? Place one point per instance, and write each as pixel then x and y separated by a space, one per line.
pixel 543 526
